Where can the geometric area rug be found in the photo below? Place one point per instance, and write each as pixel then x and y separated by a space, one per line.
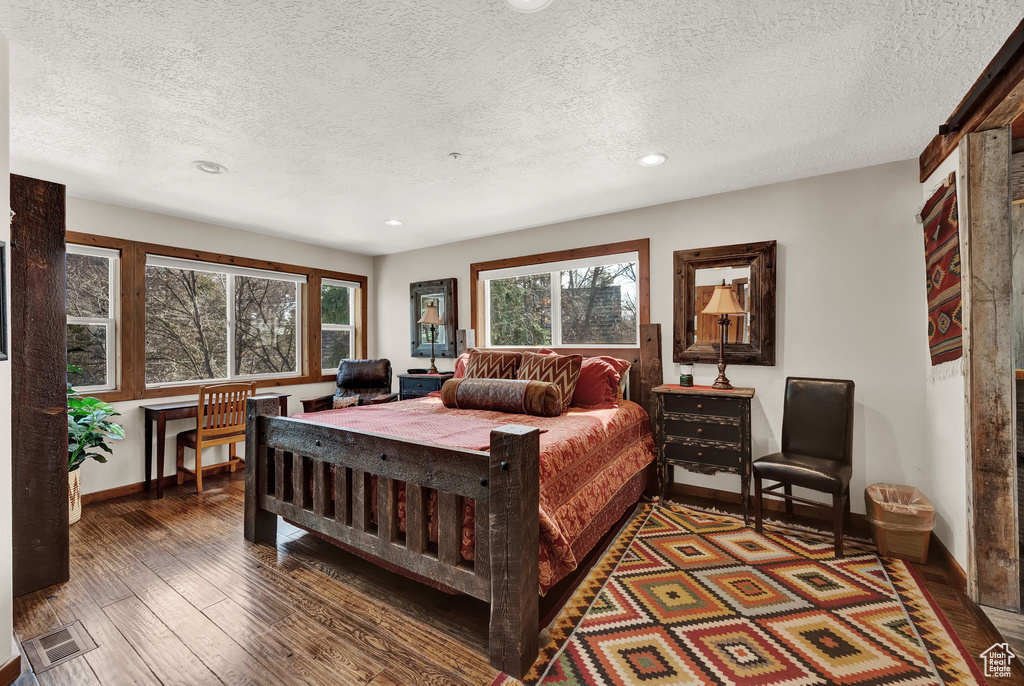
pixel 685 596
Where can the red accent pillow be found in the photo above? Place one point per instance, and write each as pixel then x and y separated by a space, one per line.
pixel 598 387
pixel 461 362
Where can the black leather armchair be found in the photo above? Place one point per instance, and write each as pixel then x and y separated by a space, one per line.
pixel 367 380
pixel 817 449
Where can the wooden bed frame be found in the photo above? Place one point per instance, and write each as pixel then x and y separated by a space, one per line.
pixel 282 456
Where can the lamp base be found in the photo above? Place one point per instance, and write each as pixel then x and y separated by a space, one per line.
pixel 433 368
pixel 722 382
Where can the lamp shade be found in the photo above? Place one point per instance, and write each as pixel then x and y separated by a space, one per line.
pixel 723 301
pixel 430 316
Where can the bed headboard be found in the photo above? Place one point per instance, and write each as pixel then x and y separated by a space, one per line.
pixel 644 375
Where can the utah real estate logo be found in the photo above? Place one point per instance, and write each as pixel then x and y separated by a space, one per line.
pixel 997 660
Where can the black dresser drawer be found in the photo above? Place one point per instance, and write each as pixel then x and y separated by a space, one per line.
pixel 705 405
pixel 695 426
pixel 419 385
pixel 703 454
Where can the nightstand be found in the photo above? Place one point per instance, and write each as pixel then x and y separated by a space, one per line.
pixel 419 385
pixel 706 431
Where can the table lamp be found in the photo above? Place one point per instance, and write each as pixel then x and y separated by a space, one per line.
pixel 723 303
pixel 431 317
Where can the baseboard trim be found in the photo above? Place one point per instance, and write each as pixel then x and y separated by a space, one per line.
pixel 129 489
pixel 860 525
pixel 11 670
pixel 955 575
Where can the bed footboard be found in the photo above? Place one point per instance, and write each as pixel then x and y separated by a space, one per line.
pixel 321 477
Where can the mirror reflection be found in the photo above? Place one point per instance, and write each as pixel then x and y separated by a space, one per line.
pixel 442 331
pixel 706 325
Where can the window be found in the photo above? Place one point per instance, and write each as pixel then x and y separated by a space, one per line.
pixel 590 302
pixel 152 321
pixel 207 321
pixel 337 333
pixel 92 289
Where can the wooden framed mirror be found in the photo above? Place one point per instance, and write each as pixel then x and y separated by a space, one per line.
pixel 750 269
pixel 440 292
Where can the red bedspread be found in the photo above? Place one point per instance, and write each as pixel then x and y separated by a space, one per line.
pixel 586 458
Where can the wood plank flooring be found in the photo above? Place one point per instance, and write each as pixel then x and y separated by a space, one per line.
pixel 173 594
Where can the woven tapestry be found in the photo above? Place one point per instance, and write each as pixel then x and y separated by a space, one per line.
pixel 942 255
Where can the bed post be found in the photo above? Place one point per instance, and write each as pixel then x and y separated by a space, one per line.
pixel 515 539
pixel 260 525
pixel 464 340
pixel 651 374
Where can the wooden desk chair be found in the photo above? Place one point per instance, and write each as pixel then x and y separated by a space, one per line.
pixel 221 420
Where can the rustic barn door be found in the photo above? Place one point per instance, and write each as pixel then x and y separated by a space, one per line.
pixel 39 403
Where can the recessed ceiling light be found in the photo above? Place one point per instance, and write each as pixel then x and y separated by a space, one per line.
pixel 210 167
pixel 528 5
pixel 393 222
pixel 652 159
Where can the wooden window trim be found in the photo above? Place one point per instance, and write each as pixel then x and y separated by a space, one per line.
pixel 131 372
pixel 642 247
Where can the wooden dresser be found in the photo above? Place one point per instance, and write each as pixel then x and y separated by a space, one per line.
pixel 419 385
pixel 706 431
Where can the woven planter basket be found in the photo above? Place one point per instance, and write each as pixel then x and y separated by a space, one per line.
pixel 74 498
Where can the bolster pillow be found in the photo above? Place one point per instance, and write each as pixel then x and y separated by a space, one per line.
pixel 537 398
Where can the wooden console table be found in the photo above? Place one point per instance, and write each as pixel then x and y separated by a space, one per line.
pixel 164 412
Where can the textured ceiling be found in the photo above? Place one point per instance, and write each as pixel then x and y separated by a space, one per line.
pixel 333 115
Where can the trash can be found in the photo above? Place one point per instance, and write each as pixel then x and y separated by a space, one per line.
pixel 902 519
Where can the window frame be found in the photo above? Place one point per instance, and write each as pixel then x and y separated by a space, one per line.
pixel 111 322
pixel 131 301
pixel 559 261
pixel 232 273
pixel 352 287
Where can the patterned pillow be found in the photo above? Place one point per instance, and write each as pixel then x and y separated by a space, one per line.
pixel 345 401
pixel 535 398
pixel 492 364
pixel 561 370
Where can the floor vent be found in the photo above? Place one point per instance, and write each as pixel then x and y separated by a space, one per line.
pixel 57 646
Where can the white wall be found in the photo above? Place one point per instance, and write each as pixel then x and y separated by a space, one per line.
pixel 6 570
pixel 850 298
pixel 945 427
pixel 127 466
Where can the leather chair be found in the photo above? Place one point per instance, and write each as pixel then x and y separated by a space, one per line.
pixel 817 449
pixel 367 380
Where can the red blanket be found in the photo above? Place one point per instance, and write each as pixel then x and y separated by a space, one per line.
pixel 586 458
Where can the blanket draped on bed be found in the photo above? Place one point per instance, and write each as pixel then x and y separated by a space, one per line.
pixel 942 262
pixel 589 460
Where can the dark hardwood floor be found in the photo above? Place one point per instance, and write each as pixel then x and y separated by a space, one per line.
pixel 173 594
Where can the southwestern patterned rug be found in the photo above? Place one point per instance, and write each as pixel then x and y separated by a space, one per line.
pixel 690 597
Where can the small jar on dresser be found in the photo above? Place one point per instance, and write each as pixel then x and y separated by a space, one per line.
pixel 704 430
pixel 420 385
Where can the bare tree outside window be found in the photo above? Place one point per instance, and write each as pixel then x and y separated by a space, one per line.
pixel 265 321
pixel 186 325
pixel 599 305
pixel 90 318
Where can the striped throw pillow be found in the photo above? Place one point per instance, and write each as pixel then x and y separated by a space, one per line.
pixel 492 364
pixel 561 370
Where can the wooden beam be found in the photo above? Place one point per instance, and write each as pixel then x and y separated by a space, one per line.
pixel 1000 101
pixel 994 559
pixel 39 436
pixel 1017 177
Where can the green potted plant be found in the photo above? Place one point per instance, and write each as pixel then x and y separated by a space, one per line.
pixel 89 429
